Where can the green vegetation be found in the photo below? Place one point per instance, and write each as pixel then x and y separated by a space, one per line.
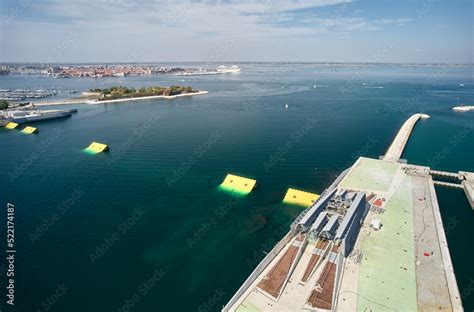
pixel 3 104
pixel 124 92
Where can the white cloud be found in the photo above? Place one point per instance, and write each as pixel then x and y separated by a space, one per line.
pixel 118 30
pixel 187 19
pixel 398 21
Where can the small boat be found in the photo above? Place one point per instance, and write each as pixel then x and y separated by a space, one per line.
pixel 286 106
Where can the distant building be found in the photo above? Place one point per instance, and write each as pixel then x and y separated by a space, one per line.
pixel 4 70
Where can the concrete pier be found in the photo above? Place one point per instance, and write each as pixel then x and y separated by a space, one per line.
pixel 468 184
pixel 445 174
pixel 395 150
pixel 446 257
pixel 404 265
pixel 447 184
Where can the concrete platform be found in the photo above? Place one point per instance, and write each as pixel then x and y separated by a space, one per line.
pixel 403 266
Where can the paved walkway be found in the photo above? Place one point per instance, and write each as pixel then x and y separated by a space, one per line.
pixel 387 279
pixel 395 150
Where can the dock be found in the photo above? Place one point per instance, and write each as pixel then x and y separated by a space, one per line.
pixel 465 179
pixel 395 150
pixel 448 184
pixel 468 184
pixel 373 241
pixel 445 174
pixel 357 272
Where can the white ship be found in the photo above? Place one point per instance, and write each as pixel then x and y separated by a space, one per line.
pixel 23 116
pixel 228 69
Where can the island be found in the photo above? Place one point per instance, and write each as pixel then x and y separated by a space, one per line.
pixel 121 94
pixel 3 104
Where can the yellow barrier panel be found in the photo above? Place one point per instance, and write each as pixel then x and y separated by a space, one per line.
pixel 30 130
pixel 238 184
pixel 298 197
pixel 95 148
pixel 11 125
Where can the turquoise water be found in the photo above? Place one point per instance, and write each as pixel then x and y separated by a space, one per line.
pixel 145 226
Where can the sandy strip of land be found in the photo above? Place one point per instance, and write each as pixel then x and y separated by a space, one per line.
pixel 463 108
pixel 169 97
pixel 94 101
pixel 62 102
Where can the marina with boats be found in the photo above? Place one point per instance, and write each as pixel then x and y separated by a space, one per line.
pixel 23 94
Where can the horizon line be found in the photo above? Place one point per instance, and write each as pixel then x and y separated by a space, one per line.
pixel 241 62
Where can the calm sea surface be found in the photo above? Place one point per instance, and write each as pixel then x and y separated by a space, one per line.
pixel 145 228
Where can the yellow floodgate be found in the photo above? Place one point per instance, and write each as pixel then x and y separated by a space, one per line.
pixel 95 148
pixel 11 125
pixel 30 130
pixel 238 184
pixel 298 197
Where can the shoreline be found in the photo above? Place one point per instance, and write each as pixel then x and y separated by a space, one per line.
pixel 95 102
pixel 166 97
pixel 463 108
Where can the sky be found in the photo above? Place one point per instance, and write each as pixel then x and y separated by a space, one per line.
pixel 405 31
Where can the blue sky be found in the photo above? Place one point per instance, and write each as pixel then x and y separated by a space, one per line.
pixel 418 31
